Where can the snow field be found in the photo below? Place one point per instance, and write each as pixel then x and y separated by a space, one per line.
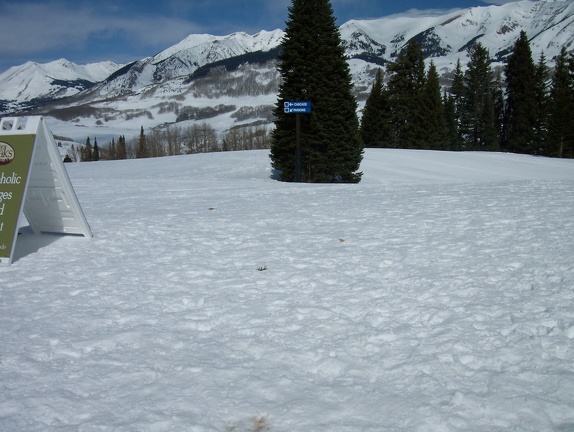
pixel 436 295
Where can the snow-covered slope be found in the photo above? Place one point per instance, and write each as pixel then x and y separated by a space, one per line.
pixel 549 25
pixel 435 295
pixel 184 58
pixel 204 49
pixel 55 80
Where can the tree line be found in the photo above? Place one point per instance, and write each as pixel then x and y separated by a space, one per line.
pixel 172 141
pixel 525 107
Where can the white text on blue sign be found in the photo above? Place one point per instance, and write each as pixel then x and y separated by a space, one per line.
pixel 296 107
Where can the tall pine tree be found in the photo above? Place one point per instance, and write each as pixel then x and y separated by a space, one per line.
pixel 87 155
pixel 313 68
pixel 142 150
pixel 122 149
pixel 112 151
pixel 499 106
pixel 561 110
pixel 96 152
pixel 375 123
pixel 521 107
pixel 405 89
pixel 452 139
pixel 455 108
pixel 478 117
pixel 542 76
pixel 431 112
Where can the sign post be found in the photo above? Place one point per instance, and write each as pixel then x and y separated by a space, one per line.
pixel 297 108
pixel 33 180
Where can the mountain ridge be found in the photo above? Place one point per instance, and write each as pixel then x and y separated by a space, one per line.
pixel 168 75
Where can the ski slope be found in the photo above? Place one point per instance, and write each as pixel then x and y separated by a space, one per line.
pixel 436 295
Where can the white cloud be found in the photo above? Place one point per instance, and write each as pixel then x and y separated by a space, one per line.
pixel 30 28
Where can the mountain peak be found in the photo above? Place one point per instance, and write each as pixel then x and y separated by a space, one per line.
pixel 33 80
pixel 369 44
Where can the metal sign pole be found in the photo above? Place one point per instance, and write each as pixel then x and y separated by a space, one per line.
pixel 298 150
pixel 297 108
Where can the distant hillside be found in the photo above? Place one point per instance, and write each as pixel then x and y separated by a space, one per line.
pixel 239 70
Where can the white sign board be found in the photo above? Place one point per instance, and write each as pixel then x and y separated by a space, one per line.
pixel 33 180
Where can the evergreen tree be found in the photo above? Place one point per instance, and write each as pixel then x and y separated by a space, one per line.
pixel 405 88
pixel 542 76
pixel 142 150
pixel 490 139
pixel 313 68
pixel 375 124
pixel 87 151
pixel 452 139
pixel 430 112
pixel 561 110
pixel 122 150
pixel 570 147
pixel 112 151
pixel 499 107
pixel 477 117
pixel 457 91
pixel 521 107
pixel 96 152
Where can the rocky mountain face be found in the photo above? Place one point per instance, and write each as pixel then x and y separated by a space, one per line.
pixel 232 80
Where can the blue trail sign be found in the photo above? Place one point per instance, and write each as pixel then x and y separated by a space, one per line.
pixel 297 107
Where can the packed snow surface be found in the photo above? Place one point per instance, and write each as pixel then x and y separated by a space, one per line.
pixel 436 295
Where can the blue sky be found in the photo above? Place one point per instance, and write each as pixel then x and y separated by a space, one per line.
pixel 125 30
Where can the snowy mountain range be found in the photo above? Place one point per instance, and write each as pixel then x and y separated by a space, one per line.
pixel 239 70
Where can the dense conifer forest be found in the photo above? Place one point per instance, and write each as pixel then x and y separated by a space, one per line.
pixel 525 107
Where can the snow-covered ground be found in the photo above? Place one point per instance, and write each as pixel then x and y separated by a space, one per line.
pixel 436 295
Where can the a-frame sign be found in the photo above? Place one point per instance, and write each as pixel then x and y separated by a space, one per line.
pixel 33 180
